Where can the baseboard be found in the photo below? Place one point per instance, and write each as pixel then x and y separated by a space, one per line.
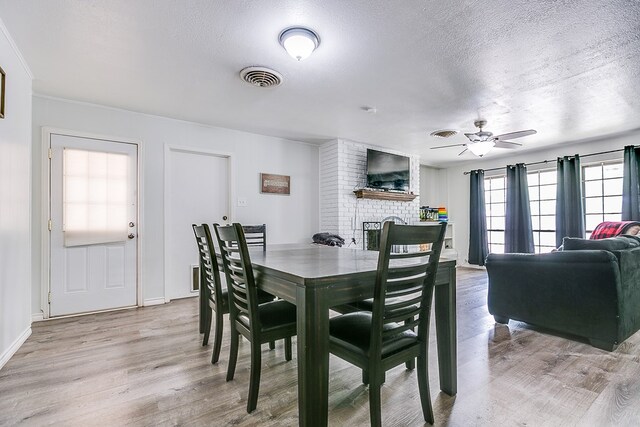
pixel 13 348
pixel 154 301
pixel 37 317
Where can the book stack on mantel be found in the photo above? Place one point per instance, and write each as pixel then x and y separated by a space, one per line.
pixel 366 193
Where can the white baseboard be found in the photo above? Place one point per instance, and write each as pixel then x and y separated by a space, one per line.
pixel 154 301
pixel 37 317
pixel 13 348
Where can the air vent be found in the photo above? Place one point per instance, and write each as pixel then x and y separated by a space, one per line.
pixel 261 76
pixel 444 133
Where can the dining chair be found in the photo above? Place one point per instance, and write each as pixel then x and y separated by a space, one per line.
pixel 217 299
pixel 258 323
pixel 256 235
pixel 383 338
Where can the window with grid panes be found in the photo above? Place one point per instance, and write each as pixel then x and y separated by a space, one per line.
pixel 494 199
pixel 542 198
pixel 602 190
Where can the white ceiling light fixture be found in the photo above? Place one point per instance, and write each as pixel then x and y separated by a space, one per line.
pixel 299 42
pixel 481 148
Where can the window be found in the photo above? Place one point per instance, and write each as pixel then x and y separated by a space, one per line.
pixel 494 199
pixel 542 198
pixel 602 189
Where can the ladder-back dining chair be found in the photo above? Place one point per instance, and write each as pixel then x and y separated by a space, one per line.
pixel 256 235
pixel 383 338
pixel 258 323
pixel 217 299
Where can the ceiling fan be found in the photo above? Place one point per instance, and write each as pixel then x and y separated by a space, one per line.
pixel 481 142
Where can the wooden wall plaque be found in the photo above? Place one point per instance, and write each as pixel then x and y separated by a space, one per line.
pixel 275 184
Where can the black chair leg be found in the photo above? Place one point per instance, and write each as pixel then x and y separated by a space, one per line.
pixel 254 381
pixel 411 364
pixel 375 403
pixel 217 344
pixel 287 348
pixel 208 315
pixel 423 387
pixel 233 354
pixel 272 345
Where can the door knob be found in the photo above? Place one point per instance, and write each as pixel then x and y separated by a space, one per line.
pixel 131 236
pixel 131 224
pixel 224 218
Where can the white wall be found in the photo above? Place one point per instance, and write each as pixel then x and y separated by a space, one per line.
pixel 15 201
pixel 343 170
pixel 458 183
pixel 291 218
pixel 433 186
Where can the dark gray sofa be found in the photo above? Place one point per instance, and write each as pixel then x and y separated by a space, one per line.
pixel 592 293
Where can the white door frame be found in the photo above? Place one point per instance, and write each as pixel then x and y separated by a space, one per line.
pixel 168 148
pixel 45 275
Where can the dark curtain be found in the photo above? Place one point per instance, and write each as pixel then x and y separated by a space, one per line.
pixel 478 246
pixel 631 185
pixel 518 234
pixel 569 207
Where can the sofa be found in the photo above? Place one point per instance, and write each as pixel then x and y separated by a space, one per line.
pixel 590 288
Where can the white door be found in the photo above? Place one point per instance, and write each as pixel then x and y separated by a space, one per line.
pixel 197 192
pixel 93 225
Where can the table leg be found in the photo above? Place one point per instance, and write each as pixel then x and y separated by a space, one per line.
pixel 446 334
pixel 313 356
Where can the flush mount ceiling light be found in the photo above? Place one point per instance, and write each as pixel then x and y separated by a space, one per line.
pixel 299 42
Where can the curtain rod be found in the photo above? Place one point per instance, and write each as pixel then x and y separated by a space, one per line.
pixel 547 161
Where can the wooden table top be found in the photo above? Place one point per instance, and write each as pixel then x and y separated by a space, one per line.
pixel 313 262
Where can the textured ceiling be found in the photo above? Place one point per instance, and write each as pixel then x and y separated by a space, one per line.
pixel 570 69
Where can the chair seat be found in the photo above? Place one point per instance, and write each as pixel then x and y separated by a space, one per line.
pixel 353 331
pixel 367 305
pixel 262 298
pixel 273 315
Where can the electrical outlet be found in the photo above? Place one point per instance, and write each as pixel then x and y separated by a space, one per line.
pixel 242 202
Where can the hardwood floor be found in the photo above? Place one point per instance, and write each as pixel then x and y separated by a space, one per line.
pixel 147 367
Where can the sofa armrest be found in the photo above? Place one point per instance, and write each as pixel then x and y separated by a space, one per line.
pixel 571 291
pixel 629 302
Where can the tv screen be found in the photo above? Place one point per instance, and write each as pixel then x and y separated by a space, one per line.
pixel 387 171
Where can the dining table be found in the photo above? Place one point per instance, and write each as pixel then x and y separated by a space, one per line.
pixel 316 278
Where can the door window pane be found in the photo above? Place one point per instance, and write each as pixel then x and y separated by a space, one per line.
pixel 94 197
pixel 592 188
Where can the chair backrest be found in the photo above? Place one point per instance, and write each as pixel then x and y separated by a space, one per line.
pixel 209 273
pixel 405 281
pixel 243 294
pixel 256 235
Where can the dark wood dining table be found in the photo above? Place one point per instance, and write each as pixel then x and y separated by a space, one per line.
pixel 315 278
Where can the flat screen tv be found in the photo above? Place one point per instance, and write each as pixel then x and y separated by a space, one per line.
pixel 386 171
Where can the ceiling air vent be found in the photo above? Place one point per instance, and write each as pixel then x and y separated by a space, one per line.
pixel 444 133
pixel 261 76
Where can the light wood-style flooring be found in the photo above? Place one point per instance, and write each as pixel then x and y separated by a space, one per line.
pixel 147 367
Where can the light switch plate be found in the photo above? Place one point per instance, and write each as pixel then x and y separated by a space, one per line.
pixel 242 202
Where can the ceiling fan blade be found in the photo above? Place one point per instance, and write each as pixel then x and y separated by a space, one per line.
pixel 518 134
pixel 447 146
pixel 507 144
pixel 463 151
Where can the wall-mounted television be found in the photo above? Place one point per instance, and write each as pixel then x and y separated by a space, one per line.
pixel 386 171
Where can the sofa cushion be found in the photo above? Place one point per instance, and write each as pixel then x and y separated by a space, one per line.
pixel 609 244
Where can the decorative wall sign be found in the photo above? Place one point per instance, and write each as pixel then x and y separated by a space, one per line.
pixel 275 184
pixel 2 79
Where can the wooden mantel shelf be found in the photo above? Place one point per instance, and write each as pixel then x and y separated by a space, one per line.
pixel 385 195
